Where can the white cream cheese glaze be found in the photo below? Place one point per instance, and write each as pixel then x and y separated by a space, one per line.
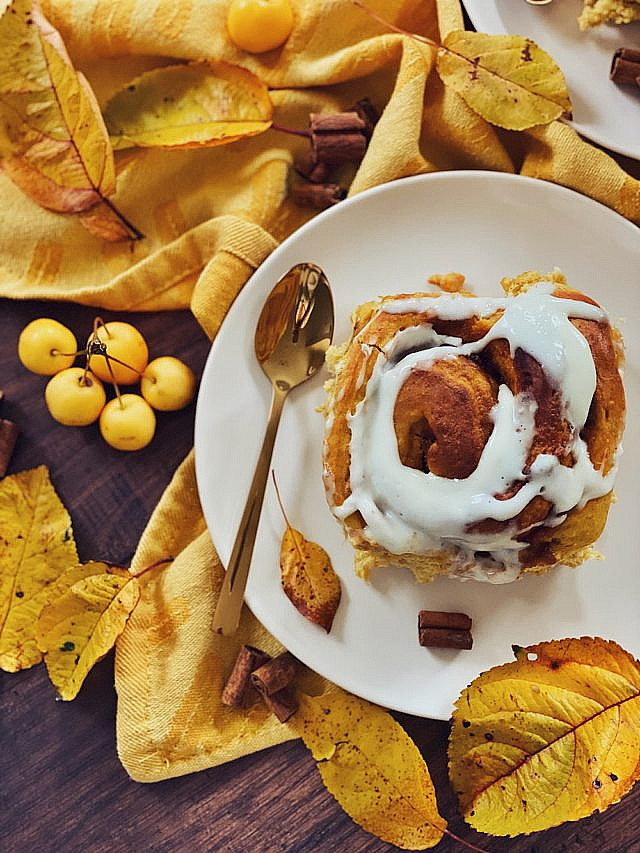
pixel 410 511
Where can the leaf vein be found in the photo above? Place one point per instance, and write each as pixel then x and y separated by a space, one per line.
pixel 513 770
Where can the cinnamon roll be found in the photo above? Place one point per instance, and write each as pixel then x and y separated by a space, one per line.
pixel 475 437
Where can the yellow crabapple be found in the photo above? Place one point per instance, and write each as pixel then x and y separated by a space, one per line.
pixel 259 25
pixel 123 341
pixel 168 384
pixel 41 346
pixel 127 423
pixel 75 398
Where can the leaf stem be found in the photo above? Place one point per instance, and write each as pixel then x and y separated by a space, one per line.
pixel 155 565
pixel 361 5
pixel 464 843
pixel 286 520
pixel 290 130
pixel 136 234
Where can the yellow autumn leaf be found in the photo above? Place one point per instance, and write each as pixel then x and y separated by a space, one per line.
pixel 372 768
pixel 508 80
pixel 187 106
pixel 308 578
pixel 53 141
pixel 81 625
pixel 36 546
pixel 550 738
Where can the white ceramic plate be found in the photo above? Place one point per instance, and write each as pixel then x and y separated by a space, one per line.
pixel 390 239
pixel 602 111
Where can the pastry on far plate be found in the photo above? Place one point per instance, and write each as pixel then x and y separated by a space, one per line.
pixel 608 12
pixel 472 436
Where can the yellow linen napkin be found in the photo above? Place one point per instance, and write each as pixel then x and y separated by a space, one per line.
pixel 210 218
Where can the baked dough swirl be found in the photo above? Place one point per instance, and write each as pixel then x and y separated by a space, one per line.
pixel 476 437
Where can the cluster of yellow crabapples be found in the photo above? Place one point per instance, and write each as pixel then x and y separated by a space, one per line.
pixel 117 353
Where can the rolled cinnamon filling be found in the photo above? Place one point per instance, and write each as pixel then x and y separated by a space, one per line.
pixel 479 422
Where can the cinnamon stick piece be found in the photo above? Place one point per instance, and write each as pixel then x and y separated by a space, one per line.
pixel 337 138
pixel 369 115
pixel 438 629
pixel 276 674
pixel 319 196
pixel 442 619
pixel 625 66
pixel 445 638
pixel 282 703
pixel 309 168
pixel 239 692
pixel 9 433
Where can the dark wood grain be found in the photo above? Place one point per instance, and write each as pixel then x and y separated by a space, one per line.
pixel 61 785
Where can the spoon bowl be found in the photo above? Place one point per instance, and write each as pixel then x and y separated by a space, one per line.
pixel 295 326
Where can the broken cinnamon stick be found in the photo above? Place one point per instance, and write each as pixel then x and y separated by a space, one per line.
pixel 369 115
pixel 319 196
pixel 438 629
pixel 9 433
pixel 239 691
pixel 337 138
pixel 276 674
pixel 625 66
pixel 309 168
pixel 282 703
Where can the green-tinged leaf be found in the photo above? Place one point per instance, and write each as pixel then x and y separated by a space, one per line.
pixel 508 80
pixel 308 578
pixel 186 106
pixel 53 142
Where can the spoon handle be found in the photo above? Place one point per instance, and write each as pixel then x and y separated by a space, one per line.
pixel 227 615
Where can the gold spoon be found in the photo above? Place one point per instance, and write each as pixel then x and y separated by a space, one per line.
pixel 293 333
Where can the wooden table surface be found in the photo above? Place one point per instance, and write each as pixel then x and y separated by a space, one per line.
pixel 61 784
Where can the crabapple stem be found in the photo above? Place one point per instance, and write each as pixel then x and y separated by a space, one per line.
pixel 107 358
pixel 68 354
pixel 83 380
pixel 124 364
pixel 97 323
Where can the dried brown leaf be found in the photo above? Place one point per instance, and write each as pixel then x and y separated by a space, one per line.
pixel 53 142
pixel 308 578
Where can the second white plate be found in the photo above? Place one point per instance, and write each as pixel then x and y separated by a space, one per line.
pixel 602 111
pixel 485 225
